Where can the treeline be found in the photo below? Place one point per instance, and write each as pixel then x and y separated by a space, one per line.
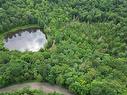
pixel 15 13
pixel 27 91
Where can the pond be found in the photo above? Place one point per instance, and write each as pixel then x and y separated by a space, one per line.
pixel 25 40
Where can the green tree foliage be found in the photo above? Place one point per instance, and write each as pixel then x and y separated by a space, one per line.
pixel 27 91
pixel 87 48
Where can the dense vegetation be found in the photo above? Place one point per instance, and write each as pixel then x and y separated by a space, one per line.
pixel 27 91
pixel 87 51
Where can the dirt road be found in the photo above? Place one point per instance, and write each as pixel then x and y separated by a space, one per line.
pixel 45 87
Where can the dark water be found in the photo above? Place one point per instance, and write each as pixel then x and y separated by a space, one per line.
pixel 26 40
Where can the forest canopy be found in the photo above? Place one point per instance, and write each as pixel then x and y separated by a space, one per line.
pixel 87 48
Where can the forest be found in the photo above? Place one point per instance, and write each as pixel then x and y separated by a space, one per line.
pixel 86 51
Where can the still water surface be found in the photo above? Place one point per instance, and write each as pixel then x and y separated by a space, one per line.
pixel 26 40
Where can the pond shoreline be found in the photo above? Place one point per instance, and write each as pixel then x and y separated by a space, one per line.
pixel 22 28
pixel 30 39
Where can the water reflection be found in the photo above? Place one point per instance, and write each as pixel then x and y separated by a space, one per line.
pixel 26 40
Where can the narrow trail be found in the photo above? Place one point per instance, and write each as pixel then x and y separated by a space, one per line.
pixel 45 87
